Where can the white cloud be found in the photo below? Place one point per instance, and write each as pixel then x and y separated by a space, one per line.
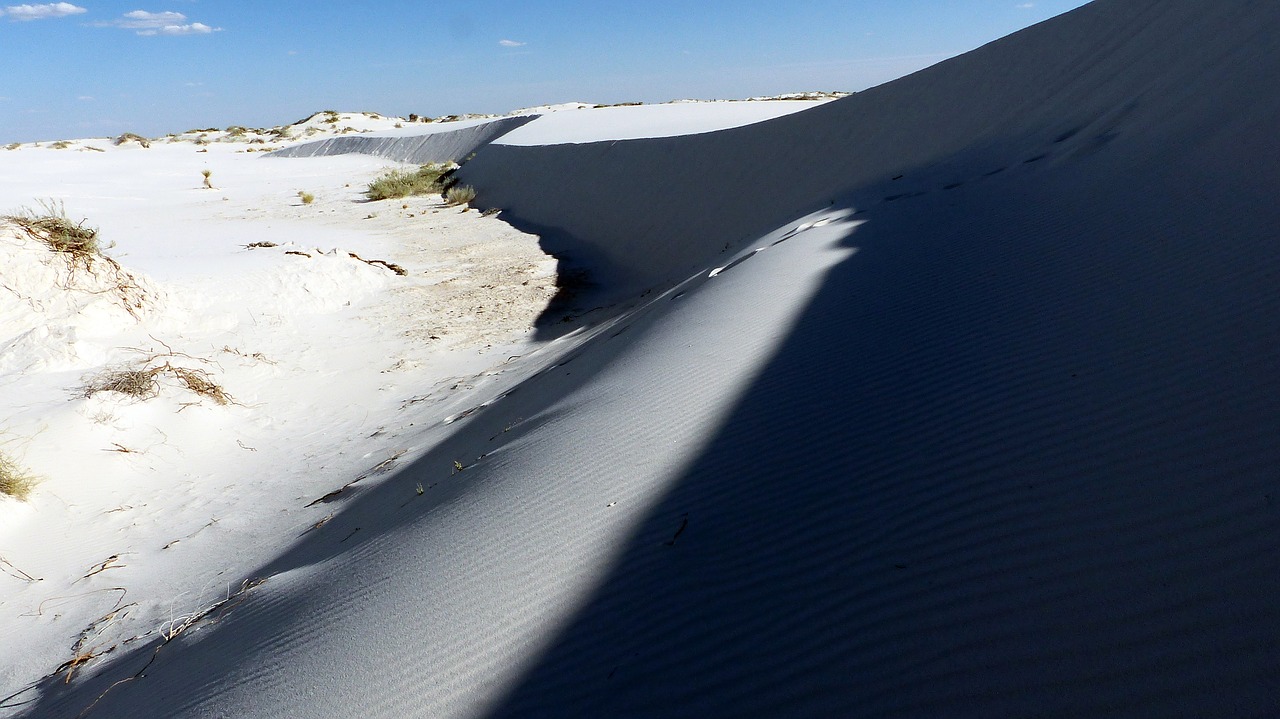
pixel 1025 6
pixel 510 43
pixel 160 23
pixel 85 98
pixel 195 28
pixel 42 12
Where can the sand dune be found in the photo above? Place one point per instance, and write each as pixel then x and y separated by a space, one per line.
pixel 957 397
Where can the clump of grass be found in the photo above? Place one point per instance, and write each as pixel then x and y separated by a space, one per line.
pixel 52 227
pixel 306 197
pixel 401 183
pixel 208 182
pixel 13 146
pixel 236 131
pixel 61 145
pixel 15 481
pixel 459 195
pixel 132 137
pixel 198 381
pixel 142 381
pixel 136 383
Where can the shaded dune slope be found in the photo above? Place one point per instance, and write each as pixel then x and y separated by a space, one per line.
pixel 446 146
pixel 1151 74
pixel 1005 448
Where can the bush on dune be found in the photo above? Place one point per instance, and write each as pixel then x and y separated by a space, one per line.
pixel 402 183
pixel 14 481
pixel 459 195
pixel 52 227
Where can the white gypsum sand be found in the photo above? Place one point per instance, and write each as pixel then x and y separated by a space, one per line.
pixel 151 508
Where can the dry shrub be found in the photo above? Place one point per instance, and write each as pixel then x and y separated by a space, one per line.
pixel 197 381
pixel 459 195
pixel 143 382
pixel 132 137
pixel 14 481
pixel 52 227
pixel 137 383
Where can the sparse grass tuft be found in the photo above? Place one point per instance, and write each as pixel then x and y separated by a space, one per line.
pixel 401 183
pixel 142 382
pixel 132 137
pixel 208 182
pixel 13 146
pixel 236 131
pixel 61 145
pixel 197 381
pixel 306 197
pixel 52 227
pixel 14 481
pixel 136 383
pixel 459 195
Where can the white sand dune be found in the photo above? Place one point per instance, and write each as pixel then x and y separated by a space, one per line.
pixel 957 397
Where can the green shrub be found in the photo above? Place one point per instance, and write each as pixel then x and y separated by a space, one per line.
pixel 402 183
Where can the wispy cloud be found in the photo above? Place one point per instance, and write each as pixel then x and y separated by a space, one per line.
pixel 41 12
pixel 159 23
pixel 1025 6
pixel 511 43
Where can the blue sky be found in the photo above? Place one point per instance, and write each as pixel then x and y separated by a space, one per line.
pixel 98 68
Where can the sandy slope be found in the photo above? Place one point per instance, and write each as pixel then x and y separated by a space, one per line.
pixel 957 397
pixel 152 510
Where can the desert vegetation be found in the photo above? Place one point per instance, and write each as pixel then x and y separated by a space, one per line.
pixel 428 179
pixel 14 480
pixel 459 195
pixel 132 137
pixel 142 380
pixel 51 226
pixel 306 197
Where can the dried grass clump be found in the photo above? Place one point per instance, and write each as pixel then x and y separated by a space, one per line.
pixel 52 227
pixel 14 481
pixel 306 197
pixel 400 183
pixel 197 381
pixel 143 380
pixel 136 383
pixel 459 195
pixel 132 137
